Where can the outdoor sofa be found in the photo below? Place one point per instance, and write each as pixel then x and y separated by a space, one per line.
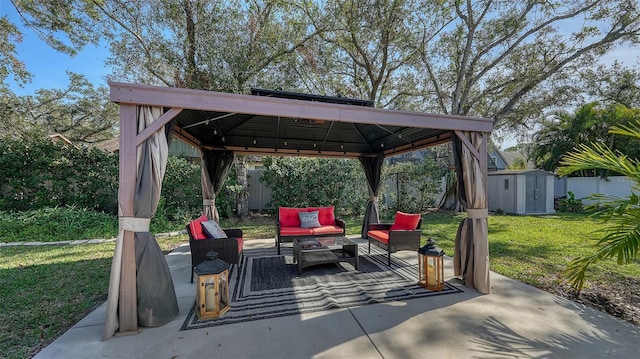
pixel 294 222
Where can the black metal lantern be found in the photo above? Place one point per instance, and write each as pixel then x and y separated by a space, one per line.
pixel 431 266
pixel 212 287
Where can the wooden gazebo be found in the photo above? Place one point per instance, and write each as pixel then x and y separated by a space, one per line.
pixel 271 123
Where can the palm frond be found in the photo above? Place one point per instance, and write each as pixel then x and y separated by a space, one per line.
pixel 576 271
pixel 621 216
pixel 632 130
pixel 598 156
pixel 621 241
pixel 606 206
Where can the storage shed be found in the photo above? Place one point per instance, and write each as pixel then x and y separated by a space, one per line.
pixel 521 191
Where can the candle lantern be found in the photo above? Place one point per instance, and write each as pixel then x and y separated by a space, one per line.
pixel 431 266
pixel 212 287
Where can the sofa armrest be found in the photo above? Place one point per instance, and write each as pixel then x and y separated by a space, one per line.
pixel 340 223
pixel 227 249
pixel 402 239
pixel 405 233
pixel 379 226
pixel 233 232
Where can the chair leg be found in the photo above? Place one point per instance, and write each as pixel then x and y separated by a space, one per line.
pixel 389 258
pixel 369 246
pixel 191 274
pixel 278 246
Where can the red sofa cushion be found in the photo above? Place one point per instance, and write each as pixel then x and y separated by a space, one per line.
pixel 195 227
pixel 405 221
pixel 296 231
pixel 288 216
pixel 379 235
pixel 326 216
pixel 327 230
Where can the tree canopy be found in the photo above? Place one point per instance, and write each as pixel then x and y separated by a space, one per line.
pixel 562 132
pixel 506 60
pixel 80 112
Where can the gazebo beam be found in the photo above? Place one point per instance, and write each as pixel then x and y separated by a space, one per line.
pixel 163 120
pixel 270 106
pixel 467 143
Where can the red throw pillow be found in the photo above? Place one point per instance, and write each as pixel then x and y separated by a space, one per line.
pixel 195 227
pixel 405 221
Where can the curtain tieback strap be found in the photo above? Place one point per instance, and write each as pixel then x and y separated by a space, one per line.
pixel 477 213
pixel 208 202
pixel 134 224
pixel 373 198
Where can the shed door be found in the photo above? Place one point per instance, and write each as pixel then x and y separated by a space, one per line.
pixel 536 194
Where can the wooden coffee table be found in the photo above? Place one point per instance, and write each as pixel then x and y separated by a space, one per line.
pixel 310 251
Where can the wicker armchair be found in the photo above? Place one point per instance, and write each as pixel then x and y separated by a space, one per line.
pixel 392 241
pixel 229 249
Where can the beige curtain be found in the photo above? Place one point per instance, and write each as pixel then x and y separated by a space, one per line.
pixel 215 170
pixel 471 254
pixel 157 303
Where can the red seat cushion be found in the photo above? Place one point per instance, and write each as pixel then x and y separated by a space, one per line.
pixel 195 227
pixel 327 230
pixel 326 216
pixel 405 221
pixel 296 231
pixel 382 236
pixel 288 216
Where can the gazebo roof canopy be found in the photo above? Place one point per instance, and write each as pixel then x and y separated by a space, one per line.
pixel 286 123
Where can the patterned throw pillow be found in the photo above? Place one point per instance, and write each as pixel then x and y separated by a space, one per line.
pixel 309 219
pixel 212 230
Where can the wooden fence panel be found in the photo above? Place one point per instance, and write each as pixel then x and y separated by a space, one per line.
pixel 259 194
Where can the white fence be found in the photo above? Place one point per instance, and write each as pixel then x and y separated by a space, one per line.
pixel 619 186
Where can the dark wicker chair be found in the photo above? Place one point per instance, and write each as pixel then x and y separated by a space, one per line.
pixel 398 240
pixel 227 248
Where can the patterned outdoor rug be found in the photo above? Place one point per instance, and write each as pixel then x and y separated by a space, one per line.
pixel 268 285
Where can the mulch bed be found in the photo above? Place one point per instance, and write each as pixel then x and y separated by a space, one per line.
pixel 620 298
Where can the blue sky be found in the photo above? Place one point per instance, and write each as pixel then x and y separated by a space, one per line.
pixel 47 66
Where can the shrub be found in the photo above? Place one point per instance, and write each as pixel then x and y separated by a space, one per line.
pixel 181 198
pixel 569 204
pixel 416 184
pixel 301 182
pixel 39 173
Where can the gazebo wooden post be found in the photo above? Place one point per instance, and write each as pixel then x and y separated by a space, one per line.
pixel 127 306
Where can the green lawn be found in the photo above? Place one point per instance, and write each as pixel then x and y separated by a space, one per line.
pixel 46 289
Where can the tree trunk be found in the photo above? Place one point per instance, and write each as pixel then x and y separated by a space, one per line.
pixel 242 194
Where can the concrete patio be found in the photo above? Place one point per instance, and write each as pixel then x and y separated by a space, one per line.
pixel 514 321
